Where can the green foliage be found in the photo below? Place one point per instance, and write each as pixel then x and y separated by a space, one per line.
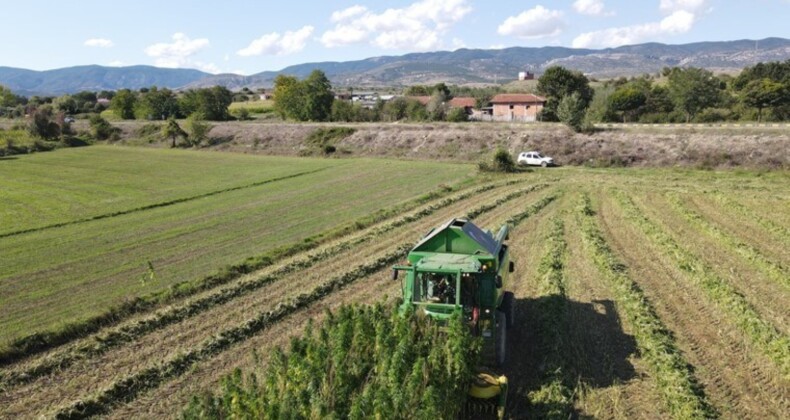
pixel 501 161
pixel 307 100
pixel 197 129
pixel 123 104
pixel 158 104
pixel 627 100
pixel 437 105
pixel 42 124
pixel 693 90
pixel 66 104
pixel 571 111
pixel 362 362
pixel 212 103
pixel 766 93
pixel 558 82
pixel 457 115
pixel 173 131
pixel 242 114
pixel 101 129
pixel 323 139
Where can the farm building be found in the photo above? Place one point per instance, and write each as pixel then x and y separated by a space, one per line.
pixel 516 107
pixel 465 102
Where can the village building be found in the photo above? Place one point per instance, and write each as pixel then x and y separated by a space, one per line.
pixel 516 107
pixel 465 102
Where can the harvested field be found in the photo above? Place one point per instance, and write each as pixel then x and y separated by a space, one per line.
pixel 640 293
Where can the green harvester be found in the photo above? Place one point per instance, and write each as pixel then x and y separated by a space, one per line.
pixel 460 269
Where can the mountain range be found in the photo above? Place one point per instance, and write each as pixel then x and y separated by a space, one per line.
pixel 461 66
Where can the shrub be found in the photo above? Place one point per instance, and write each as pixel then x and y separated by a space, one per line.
pixel 571 112
pixel 242 114
pixel 101 129
pixel 197 129
pixel 457 115
pixel 501 161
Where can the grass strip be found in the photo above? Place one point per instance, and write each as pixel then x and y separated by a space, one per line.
pixel 129 388
pixel 134 331
pixel 682 394
pixel 763 335
pixel 45 340
pixel 555 397
pixel 160 204
pixel 782 233
pixel 771 269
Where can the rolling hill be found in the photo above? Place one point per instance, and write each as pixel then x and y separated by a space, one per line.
pixel 455 67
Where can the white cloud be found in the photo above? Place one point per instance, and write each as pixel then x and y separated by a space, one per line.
pixel 275 44
pixel 497 47
pixel 116 63
pixel 537 22
pixel 178 53
pixel 458 43
pixel 419 26
pixel 681 15
pixel 693 6
pixel 98 42
pixel 346 14
pixel 591 7
pixel 207 67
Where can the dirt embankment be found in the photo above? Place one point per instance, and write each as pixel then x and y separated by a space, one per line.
pixel 648 146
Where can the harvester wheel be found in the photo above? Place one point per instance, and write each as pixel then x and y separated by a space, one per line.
pixel 501 338
pixel 509 308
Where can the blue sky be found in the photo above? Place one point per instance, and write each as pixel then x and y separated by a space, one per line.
pixel 247 37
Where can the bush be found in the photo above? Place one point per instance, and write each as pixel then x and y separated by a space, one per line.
pixel 363 362
pixel 42 124
pixel 242 114
pixel 101 129
pixel 502 161
pixel 197 130
pixel 571 111
pixel 457 115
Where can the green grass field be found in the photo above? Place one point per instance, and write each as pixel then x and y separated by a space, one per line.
pixel 187 213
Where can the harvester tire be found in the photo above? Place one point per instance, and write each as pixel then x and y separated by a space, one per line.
pixel 509 308
pixel 501 338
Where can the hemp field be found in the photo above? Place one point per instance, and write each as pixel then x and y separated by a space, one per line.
pixel 641 293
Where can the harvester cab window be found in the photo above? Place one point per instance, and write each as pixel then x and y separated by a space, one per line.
pixel 437 288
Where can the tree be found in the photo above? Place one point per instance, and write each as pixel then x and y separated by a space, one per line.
pixel 67 104
pixel 396 109
pixel 8 99
pixel 457 115
pixel 101 129
pixel 198 129
pixel 437 105
pixel 765 93
pixel 558 82
pixel 571 111
pixel 307 100
pixel 123 104
pixel 627 100
pixel 212 103
pixel 342 111
pixel 42 123
pixel 319 96
pixel 159 104
pixel 173 131
pixel 693 90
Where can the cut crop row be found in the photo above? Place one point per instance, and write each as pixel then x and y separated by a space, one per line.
pixel 127 389
pixel 555 397
pixel 42 341
pixel 771 269
pixel 173 315
pixel 763 335
pixel 781 232
pixel 676 383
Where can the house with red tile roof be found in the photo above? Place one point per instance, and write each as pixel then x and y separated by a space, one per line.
pixel 516 106
pixel 465 102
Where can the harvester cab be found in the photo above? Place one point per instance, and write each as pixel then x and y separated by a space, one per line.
pixel 460 269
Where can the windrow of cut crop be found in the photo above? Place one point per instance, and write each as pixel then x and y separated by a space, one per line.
pixel 774 271
pixel 42 341
pixel 363 362
pixel 680 390
pixel 555 397
pixel 781 232
pixel 129 388
pixel 763 335
pixel 173 315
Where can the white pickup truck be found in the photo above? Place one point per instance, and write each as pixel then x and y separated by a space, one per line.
pixel 534 159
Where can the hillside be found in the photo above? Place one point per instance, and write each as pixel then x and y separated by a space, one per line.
pixel 455 67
